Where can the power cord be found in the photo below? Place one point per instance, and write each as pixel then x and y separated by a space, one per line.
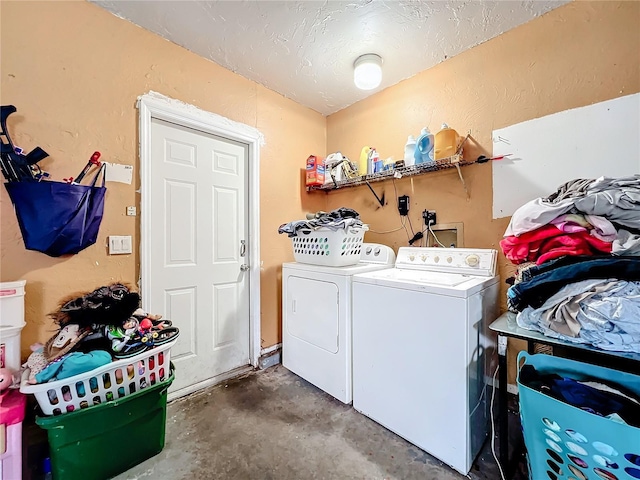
pixel 415 238
pixel 479 402
pixel 493 427
pixel 402 222
pixel 434 236
pixel 412 230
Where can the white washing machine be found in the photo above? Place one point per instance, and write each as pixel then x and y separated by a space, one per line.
pixel 316 319
pixel 422 348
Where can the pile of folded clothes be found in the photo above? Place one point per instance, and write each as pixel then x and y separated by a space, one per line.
pixel 94 329
pixel 578 257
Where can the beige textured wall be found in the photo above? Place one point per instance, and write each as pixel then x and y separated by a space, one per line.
pixel 576 55
pixel 74 77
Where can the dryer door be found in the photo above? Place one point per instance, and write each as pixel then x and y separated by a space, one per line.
pixel 312 312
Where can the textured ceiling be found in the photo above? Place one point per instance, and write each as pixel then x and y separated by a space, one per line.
pixel 305 49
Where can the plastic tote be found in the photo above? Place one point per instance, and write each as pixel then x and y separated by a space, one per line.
pixel 103 441
pixel 566 442
pixel 58 218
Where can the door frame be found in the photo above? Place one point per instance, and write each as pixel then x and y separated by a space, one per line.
pixel 156 105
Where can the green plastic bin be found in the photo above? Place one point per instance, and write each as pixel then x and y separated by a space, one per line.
pixel 104 440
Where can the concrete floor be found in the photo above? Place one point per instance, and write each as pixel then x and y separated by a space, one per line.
pixel 271 424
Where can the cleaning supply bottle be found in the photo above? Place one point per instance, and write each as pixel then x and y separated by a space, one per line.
pixel 424 147
pixel 375 164
pixel 409 151
pixel 364 161
pixel 447 141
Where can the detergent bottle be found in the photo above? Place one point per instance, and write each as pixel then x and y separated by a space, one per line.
pixel 447 141
pixel 424 147
pixel 364 161
pixel 409 151
pixel 375 164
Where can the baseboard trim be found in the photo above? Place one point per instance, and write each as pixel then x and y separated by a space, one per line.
pixel 272 348
pixel 270 356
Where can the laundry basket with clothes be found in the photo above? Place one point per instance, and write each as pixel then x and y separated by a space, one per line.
pixel 105 348
pixel 327 238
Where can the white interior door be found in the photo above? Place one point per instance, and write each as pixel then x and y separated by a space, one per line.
pixel 198 255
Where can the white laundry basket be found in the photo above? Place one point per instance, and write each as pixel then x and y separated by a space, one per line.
pixel 332 248
pixel 109 382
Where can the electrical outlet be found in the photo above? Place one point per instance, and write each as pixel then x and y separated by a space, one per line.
pixel 429 217
pixel 403 205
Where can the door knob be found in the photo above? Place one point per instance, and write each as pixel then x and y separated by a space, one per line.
pixel 244 267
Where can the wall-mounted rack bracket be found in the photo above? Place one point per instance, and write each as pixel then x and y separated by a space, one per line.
pixel 380 200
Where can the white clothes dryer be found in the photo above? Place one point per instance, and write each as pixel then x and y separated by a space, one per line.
pixel 422 348
pixel 316 319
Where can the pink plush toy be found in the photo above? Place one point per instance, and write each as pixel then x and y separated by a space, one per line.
pixel 6 380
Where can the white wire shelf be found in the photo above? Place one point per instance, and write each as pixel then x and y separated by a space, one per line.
pixel 434 166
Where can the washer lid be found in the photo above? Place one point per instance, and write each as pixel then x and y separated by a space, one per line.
pixel 450 284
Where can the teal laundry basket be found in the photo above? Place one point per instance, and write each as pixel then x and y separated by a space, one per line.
pixel 567 443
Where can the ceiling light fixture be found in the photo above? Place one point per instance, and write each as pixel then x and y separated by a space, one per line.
pixel 367 73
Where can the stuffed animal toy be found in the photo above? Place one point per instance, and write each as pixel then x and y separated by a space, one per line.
pixel 36 361
pixel 149 320
pixel 111 304
pixel 6 380
pixel 66 340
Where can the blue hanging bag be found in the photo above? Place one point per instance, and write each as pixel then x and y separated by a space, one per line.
pixel 58 218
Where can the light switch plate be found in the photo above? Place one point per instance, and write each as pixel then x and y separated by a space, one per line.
pixel 131 211
pixel 120 244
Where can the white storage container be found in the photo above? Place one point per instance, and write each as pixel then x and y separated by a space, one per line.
pixel 12 303
pixel 332 248
pixel 10 347
pixel 109 382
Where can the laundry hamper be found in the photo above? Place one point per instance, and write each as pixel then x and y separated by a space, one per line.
pixel 114 380
pixel 332 248
pixel 102 441
pixel 566 442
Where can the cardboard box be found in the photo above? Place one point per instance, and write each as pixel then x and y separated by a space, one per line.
pixel 315 171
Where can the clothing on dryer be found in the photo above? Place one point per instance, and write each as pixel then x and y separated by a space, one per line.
pixel 340 218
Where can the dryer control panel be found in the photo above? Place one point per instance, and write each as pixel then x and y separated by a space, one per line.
pixel 468 261
pixel 377 253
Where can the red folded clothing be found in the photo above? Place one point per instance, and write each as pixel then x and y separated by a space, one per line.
pixel 548 242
